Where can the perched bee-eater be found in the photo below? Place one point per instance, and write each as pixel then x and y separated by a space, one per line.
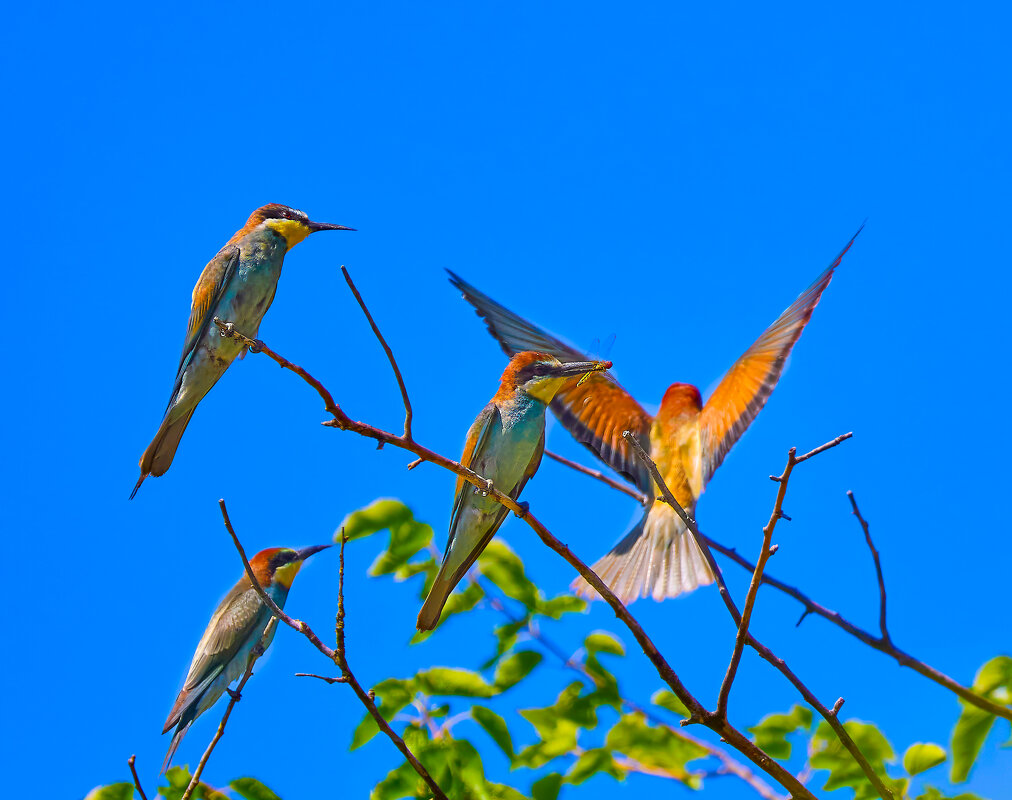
pixel 687 440
pixel 237 627
pixel 504 446
pixel 238 286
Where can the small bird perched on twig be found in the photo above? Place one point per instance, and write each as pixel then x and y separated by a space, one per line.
pixel 687 440
pixel 504 446
pixel 234 636
pixel 237 285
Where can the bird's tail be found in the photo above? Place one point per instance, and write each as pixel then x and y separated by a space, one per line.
pixel 177 737
pixel 428 617
pixel 158 457
pixel 658 558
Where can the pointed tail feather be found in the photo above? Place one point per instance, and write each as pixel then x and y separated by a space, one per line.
pixel 428 617
pixel 158 457
pixel 177 737
pixel 658 558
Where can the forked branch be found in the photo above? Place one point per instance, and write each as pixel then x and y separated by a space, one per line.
pixel 337 656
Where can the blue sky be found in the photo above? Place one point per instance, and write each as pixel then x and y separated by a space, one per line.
pixel 670 177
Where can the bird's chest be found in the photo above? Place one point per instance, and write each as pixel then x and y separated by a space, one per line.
pixel 252 288
pixel 515 441
pixel 676 450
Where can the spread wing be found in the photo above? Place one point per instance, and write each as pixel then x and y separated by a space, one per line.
pixel 743 391
pixel 206 293
pixel 595 413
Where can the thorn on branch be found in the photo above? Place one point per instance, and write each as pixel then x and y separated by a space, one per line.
pixel 835 710
pixel 773 549
pixel 782 515
pixel 415 463
pixel 801 619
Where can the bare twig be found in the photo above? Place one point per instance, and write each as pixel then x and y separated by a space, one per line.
pixel 882 645
pixel 408 413
pixel 878 570
pixel 639 497
pixel 234 697
pixel 337 656
pixel 338 679
pixel 744 637
pixel 132 761
pixel 722 727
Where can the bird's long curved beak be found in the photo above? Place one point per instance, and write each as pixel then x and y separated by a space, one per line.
pixel 326 226
pixel 306 552
pixel 584 368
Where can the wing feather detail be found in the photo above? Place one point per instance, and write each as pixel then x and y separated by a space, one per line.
pixel 595 413
pixel 743 391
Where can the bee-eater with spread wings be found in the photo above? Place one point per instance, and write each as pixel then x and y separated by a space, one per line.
pixel 687 440
pixel 504 446
pixel 237 286
pixel 237 626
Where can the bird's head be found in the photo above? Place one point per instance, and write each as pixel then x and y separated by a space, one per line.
pixel 681 399
pixel 289 223
pixel 541 375
pixel 280 565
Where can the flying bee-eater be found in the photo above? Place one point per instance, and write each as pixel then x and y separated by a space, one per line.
pixel 687 439
pixel 237 626
pixel 237 286
pixel 504 445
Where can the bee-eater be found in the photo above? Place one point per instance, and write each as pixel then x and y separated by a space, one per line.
pixel 238 286
pixel 236 627
pixel 687 440
pixel 504 445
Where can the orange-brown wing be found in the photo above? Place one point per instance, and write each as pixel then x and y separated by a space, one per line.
pixel 743 391
pixel 595 413
pixel 206 294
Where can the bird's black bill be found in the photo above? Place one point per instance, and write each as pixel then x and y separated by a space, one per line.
pixel 581 368
pixel 326 226
pixel 306 552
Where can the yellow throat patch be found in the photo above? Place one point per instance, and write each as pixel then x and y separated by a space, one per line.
pixel 293 230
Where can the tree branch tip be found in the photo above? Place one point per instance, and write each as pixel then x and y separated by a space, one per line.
pixel 837 706
pixel 415 463
pixel 773 549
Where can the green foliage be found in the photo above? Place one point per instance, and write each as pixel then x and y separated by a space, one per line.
pixel 931 793
pixel 772 731
pixel 665 698
pixel 922 756
pixel 828 752
pixel 993 681
pixel 496 727
pixel 114 791
pixel 658 747
pixel 591 762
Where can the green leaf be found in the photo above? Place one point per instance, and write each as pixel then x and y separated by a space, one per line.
pixel 659 747
pixel 515 668
pixel 506 635
pixel 467 769
pixel 922 756
pixel 601 642
pixel 379 515
pixel 829 753
pixel 772 731
pixel 591 762
pixel 669 700
pixel 252 789
pixel 393 695
pixel 178 779
pixel 557 726
pixel 401 782
pixel 547 788
pixel 453 683
pixel 456 603
pixel 505 569
pixel 993 681
pixel 114 791
pixel 931 793
pixel 495 726
pixel 500 791
pixel 563 604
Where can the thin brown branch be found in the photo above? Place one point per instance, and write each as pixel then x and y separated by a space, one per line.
pixel 234 696
pixel 408 413
pixel 337 656
pixel 132 762
pixel 325 678
pixel 639 497
pixel 743 637
pixel 753 589
pixel 722 727
pixel 878 570
pixel 729 765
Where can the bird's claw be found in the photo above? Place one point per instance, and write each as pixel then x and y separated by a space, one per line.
pixel 489 488
pixel 236 697
pixel 227 329
pixel 256 347
pixel 525 508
